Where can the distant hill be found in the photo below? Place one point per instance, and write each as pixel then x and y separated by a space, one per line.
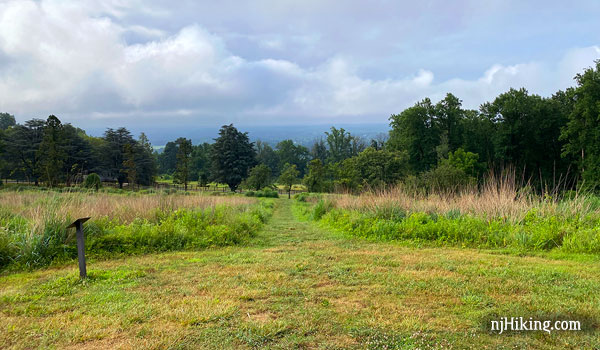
pixel 301 134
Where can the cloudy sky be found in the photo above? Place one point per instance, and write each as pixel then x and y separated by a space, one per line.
pixel 120 62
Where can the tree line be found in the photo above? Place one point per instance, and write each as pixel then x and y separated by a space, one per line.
pixel 546 140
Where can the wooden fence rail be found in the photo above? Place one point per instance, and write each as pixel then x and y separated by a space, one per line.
pixel 166 186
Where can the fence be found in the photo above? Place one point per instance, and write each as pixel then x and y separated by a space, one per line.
pixel 214 188
pixel 167 186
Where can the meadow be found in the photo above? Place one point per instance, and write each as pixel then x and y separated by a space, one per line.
pixel 499 215
pixel 393 269
pixel 33 223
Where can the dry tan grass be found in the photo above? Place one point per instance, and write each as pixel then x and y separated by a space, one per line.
pixel 37 206
pixel 498 198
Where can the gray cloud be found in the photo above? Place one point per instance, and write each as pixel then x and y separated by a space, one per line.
pixel 285 62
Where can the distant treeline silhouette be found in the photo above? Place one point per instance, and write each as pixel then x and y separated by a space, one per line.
pixel 549 142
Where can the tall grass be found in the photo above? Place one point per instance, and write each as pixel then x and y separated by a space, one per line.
pixel 496 198
pixel 37 206
pixel 499 214
pixel 33 224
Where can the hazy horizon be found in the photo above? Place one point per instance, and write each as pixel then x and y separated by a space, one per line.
pixel 300 134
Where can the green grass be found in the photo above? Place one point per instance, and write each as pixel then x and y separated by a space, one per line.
pixel 24 245
pixel 535 232
pixel 298 285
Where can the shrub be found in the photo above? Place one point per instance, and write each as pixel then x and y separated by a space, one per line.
pixel 92 181
pixel 301 197
pixel 265 192
pixel 446 178
pixel 321 208
pixel 7 251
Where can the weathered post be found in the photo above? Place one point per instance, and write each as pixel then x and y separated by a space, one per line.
pixel 78 225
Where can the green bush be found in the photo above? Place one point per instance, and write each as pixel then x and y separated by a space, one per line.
pixel 7 251
pixel 265 193
pixel 92 181
pixel 301 197
pixel 321 208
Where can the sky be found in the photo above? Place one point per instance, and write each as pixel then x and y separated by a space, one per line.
pixel 170 65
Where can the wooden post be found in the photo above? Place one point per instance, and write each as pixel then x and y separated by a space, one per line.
pixel 78 225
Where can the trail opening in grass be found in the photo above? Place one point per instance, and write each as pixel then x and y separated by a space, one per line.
pixel 299 285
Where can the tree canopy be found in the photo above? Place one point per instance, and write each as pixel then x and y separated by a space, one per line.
pixel 233 156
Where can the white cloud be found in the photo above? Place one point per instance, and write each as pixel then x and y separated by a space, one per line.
pixel 71 58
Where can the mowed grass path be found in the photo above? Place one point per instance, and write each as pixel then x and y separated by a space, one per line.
pixel 298 286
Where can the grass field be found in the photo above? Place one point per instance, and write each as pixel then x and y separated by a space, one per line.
pixel 33 234
pixel 298 284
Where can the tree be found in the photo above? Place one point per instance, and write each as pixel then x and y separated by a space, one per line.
pixel 79 154
pixel 371 169
pixel 315 177
pixel 145 161
pixel 290 153
pixel 582 133
pixel 465 161
pixel 6 121
pixel 232 156
pixel 200 163
pixel 184 157
pixel 260 177
pixel 446 178
pixel 167 160
pixel 51 152
pixel 129 164
pixel 527 133
pixel 378 143
pixel 288 177
pixel 449 115
pixel 113 153
pixel 416 132
pixel 319 151
pixel 4 169
pixel 267 156
pixel 22 149
pixel 342 145
pixel 478 136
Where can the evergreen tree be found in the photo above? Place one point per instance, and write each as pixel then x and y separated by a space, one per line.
pixel 22 149
pixel 113 153
pixel 167 160
pixel 145 161
pixel 232 156
pixel 51 152
pixel 184 156
pixel 129 164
